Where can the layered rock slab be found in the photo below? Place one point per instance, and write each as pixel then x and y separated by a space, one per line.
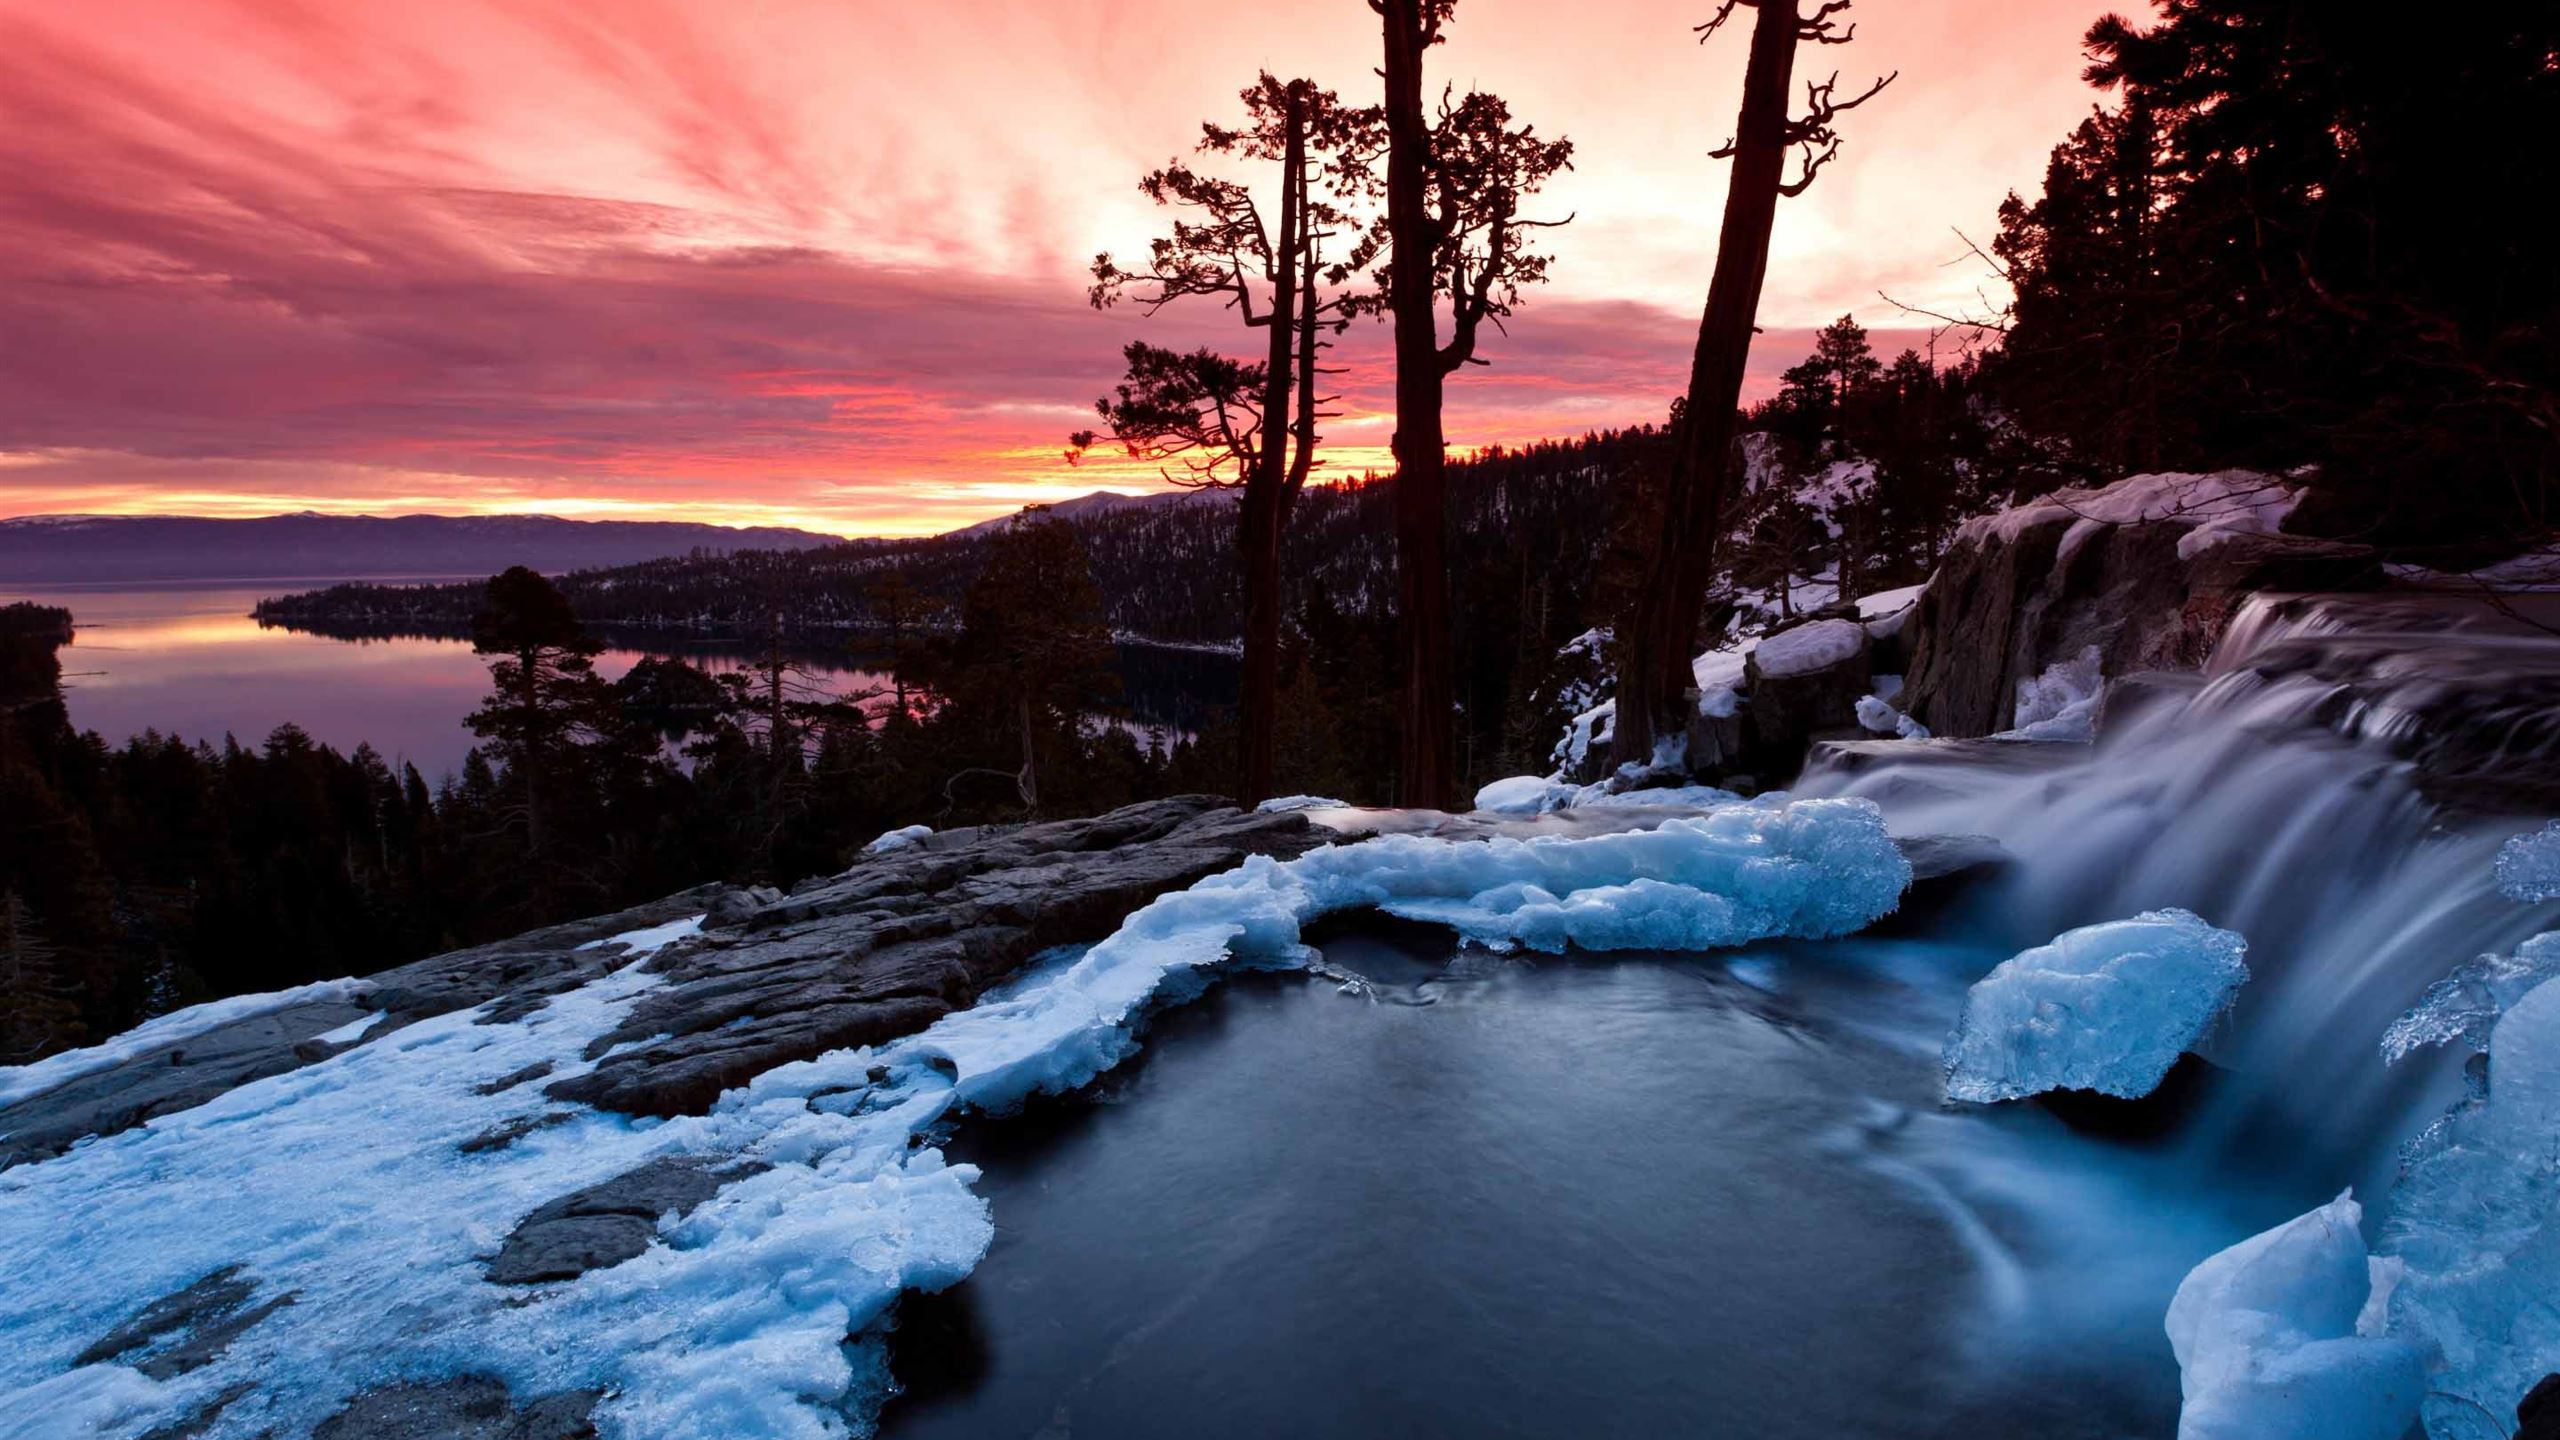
pixel 902 939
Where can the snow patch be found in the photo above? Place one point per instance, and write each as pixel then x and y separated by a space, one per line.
pixel 2106 1007
pixel 2268 1342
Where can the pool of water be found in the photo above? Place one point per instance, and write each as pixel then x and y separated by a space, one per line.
pixel 1642 1195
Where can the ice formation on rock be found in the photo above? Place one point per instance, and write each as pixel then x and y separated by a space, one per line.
pixel 2465 1005
pixel 2529 865
pixel 2061 703
pixel 2274 1341
pixel 2106 1007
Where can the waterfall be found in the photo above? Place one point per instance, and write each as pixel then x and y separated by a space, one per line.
pixel 2334 786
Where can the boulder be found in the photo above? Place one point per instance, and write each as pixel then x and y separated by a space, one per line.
pixel 1803 683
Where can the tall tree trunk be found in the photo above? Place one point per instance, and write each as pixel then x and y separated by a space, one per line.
pixel 1654 674
pixel 1258 534
pixel 1423 753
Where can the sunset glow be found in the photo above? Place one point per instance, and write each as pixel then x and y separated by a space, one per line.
pixel 822 264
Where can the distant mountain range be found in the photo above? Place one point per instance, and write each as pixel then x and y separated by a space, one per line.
pixel 59 548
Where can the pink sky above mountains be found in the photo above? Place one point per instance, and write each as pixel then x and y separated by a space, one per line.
pixel 822 263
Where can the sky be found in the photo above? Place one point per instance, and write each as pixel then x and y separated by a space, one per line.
pixel 822 262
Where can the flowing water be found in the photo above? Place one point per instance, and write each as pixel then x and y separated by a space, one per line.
pixel 1670 1194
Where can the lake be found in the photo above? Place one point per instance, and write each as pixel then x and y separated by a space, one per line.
pixel 186 659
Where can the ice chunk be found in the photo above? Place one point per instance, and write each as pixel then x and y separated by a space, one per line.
pixel 898 839
pixel 2529 865
pixel 1818 645
pixel 17 1082
pixel 2475 1220
pixel 2105 1007
pixel 2465 1005
pixel 2267 1342
pixel 2061 703
pixel 1814 868
pixel 1729 877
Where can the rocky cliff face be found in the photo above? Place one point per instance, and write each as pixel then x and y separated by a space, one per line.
pixel 2145 574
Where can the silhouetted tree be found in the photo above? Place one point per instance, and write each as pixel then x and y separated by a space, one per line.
pixel 1654 676
pixel 545 697
pixel 1231 423
pixel 1451 229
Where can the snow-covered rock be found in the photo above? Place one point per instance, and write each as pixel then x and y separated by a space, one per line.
pixel 2210 507
pixel 2269 1343
pixel 2106 1007
pixel 733 1315
pixel 2474 1219
pixel 2148 571
pixel 1816 645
